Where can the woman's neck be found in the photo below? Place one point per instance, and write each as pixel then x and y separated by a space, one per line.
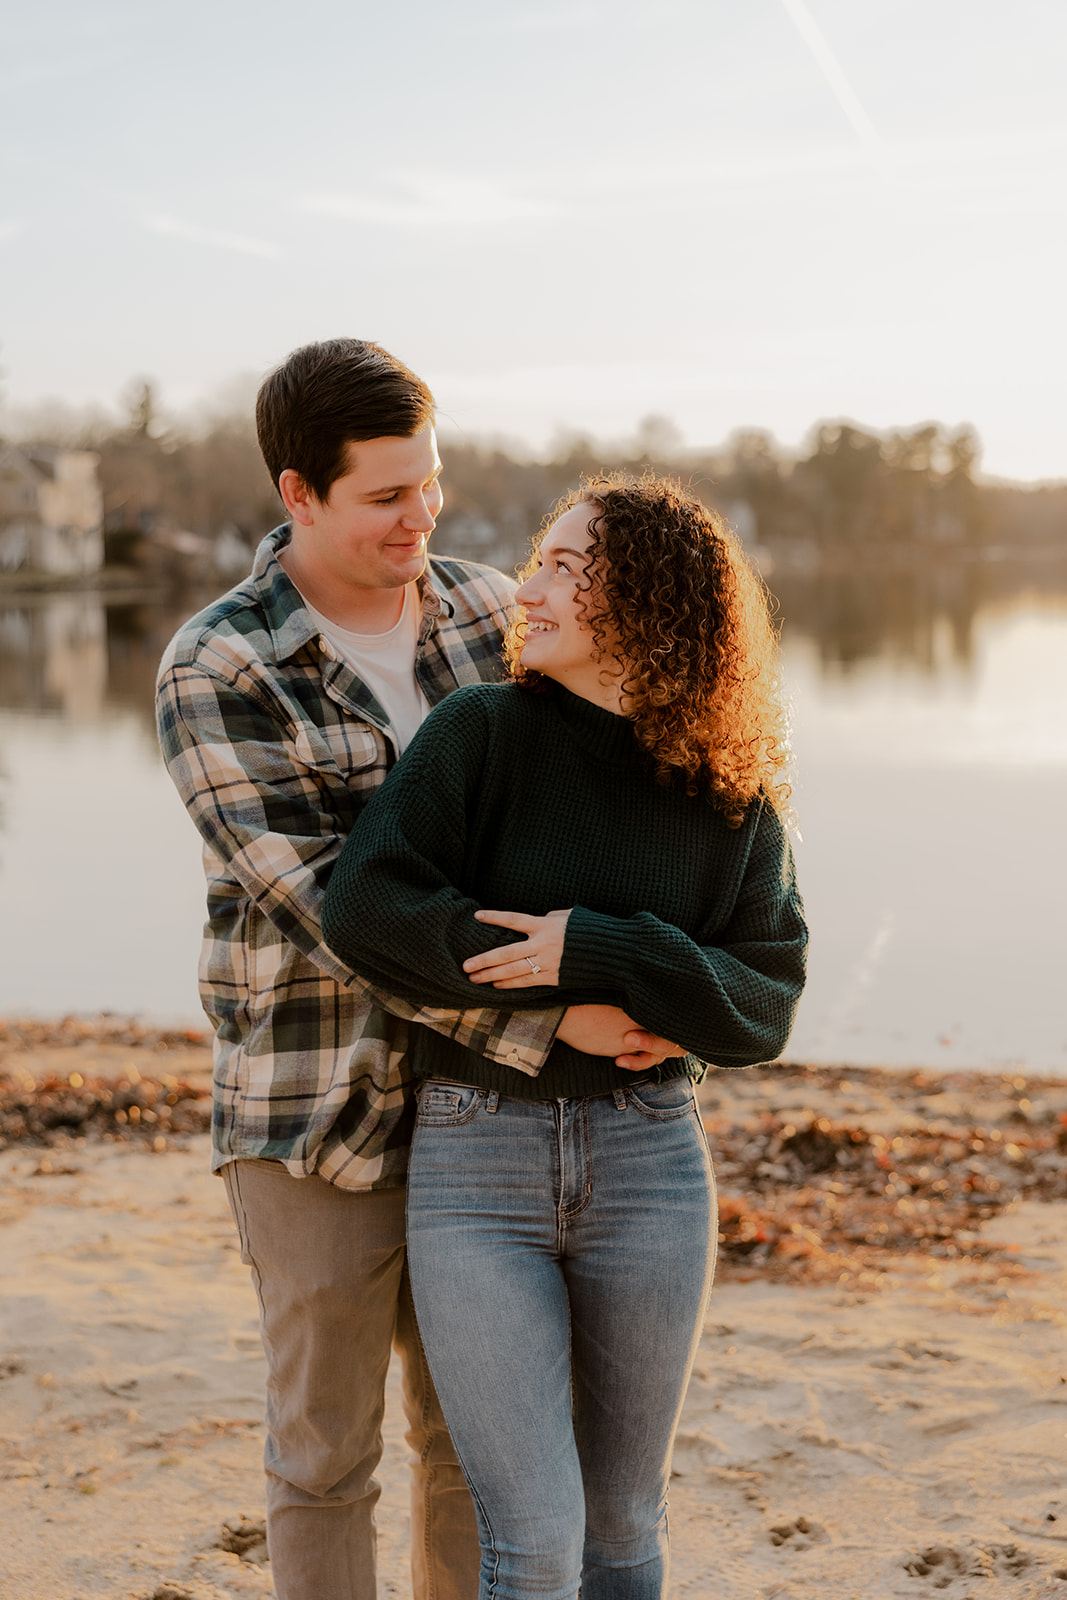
pixel 601 683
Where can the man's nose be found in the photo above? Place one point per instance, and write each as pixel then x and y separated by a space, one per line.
pixel 419 518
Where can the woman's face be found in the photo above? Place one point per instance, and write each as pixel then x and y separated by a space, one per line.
pixel 558 640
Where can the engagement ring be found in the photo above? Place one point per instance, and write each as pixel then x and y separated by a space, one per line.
pixel 532 963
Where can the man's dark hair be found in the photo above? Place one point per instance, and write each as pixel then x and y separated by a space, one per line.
pixel 325 395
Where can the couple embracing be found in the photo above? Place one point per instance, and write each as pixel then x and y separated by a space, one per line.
pixel 492 874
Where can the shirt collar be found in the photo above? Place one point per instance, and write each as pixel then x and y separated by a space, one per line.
pixel 291 624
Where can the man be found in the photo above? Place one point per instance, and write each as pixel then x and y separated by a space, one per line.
pixel 281 707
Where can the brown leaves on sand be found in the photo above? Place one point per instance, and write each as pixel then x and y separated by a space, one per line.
pixel 798 1195
pixel 57 1111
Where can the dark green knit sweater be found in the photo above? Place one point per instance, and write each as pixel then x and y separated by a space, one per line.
pixel 536 802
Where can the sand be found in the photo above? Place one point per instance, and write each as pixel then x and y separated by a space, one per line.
pixel 862 1421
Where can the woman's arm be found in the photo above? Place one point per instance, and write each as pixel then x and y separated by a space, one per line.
pixel 392 912
pixel 728 996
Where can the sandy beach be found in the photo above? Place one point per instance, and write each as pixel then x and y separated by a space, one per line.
pixel 879 1407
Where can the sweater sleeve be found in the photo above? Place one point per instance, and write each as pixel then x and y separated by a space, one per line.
pixel 391 910
pixel 728 995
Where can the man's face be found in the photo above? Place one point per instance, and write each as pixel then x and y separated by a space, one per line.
pixel 372 529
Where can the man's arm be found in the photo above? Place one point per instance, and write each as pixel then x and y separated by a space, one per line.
pixel 608 1031
pixel 598 1030
pixel 277 817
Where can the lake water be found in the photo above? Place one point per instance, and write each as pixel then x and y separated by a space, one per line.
pixel 930 732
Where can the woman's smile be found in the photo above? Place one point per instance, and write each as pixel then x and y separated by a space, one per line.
pixel 562 645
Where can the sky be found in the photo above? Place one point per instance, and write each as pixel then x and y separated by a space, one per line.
pixel 566 217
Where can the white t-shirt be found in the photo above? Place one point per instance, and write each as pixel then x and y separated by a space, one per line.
pixel 386 663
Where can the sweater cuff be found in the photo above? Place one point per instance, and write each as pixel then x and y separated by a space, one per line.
pixel 597 951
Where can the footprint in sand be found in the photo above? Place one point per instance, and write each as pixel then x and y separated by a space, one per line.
pixel 799 1534
pixel 944 1563
pixel 245 1537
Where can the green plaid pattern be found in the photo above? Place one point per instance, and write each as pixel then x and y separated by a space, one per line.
pixel 274 746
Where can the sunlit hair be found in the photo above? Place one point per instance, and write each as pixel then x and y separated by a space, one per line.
pixel 672 597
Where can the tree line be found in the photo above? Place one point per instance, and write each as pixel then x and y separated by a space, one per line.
pixel 850 487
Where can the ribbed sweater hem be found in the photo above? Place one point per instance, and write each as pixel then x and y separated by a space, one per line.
pixel 568 1073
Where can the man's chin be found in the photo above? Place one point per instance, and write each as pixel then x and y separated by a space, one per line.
pixel 406 570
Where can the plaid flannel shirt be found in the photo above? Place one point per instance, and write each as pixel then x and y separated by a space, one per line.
pixel 274 745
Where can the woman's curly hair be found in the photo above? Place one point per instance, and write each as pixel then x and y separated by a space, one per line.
pixel 688 619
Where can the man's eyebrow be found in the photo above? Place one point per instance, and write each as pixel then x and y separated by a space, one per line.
pixel 396 488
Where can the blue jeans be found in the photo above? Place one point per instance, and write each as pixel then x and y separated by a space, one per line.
pixel 561 1256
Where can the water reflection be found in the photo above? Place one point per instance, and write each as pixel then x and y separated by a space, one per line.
pixel 931 748
pixel 924 616
pixel 53 656
pixel 84 655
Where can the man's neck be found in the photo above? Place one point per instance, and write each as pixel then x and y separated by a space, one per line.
pixel 353 608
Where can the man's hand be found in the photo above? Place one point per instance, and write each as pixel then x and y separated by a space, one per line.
pixel 608 1031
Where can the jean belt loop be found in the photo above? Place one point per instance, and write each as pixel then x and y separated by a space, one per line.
pixel 492 1101
pixel 620 1099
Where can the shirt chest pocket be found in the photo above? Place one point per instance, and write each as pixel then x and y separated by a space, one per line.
pixel 349 747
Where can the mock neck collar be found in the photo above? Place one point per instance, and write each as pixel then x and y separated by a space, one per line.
pixel 607 735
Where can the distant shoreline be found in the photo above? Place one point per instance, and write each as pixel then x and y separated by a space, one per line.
pixel 776 554
pixel 111 581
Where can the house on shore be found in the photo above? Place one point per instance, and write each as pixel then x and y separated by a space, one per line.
pixel 51 511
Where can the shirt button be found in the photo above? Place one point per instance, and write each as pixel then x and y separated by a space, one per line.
pixel 514 1057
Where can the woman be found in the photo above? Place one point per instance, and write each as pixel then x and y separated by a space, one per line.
pixel 561 1226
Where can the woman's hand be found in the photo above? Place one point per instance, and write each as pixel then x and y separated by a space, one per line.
pixel 531 962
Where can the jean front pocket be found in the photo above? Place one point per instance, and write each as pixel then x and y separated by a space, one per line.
pixel 662 1101
pixel 447 1105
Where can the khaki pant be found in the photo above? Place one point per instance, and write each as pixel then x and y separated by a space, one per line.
pixel 329 1269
